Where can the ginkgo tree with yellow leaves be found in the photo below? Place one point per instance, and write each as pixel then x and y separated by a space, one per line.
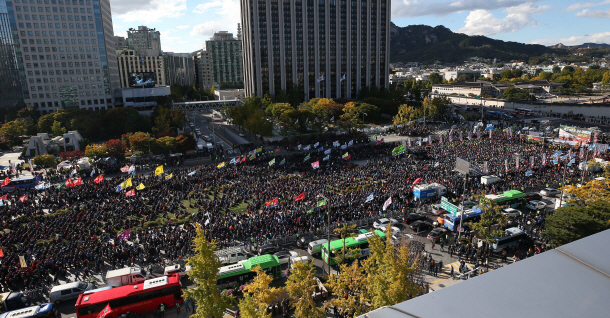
pixel 258 295
pixel 300 285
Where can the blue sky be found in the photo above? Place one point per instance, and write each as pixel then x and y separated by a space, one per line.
pixel 186 24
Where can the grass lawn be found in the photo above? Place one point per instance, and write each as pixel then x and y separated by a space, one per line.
pixel 241 208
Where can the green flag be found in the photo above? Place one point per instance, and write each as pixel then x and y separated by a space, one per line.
pixel 310 211
pixel 398 150
pixel 307 158
pixel 283 161
pixel 345 155
pixel 321 203
pixel 272 162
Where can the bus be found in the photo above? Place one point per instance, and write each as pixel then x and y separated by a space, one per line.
pixel 22 183
pixel 360 242
pixel 233 276
pixel 141 298
pixel 47 310
pixel 509 199
pixel 452 222
pixel 514 236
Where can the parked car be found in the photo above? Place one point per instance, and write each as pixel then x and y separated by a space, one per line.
pixel 437 233
pixel 549 192
pixel 412 217
pixel 536 205
pixel 511 213
pixel 177 269
pixel 419 226
pixel 303 241
pixel 383 223
pixel 285 256
pixel 268 249
pixel 68 291
pixel 394 230
pixel 533 196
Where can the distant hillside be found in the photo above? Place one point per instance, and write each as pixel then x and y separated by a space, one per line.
pixel 422 43
pixel 582 46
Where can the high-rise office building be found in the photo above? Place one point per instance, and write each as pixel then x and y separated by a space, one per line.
pixel 179 68
pixel 323 48
pixel 10 81
pixel 120 42
pixel 131 65
pixel 203 68
pixel 66 51
pixel 225 56
pixel 144 41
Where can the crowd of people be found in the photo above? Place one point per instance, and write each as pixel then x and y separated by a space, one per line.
pixel 76 228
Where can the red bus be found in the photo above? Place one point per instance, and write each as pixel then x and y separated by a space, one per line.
pixel 139 298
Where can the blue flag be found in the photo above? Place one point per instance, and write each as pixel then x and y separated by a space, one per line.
pixel 571 162
pixel 327 152
pixel 529 173
pixel 192 173
pixel 370 197
pixel 321 149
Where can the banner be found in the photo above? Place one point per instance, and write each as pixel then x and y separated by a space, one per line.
pixel 485 171
pixel 531 162
pixel 506 165
pixel 387 203
pixel 517 163
pixel 22 261
pixel 370 197
pixel 300 197
pixel 461 139
pixel 409 142
pixel 398 150
pixel 575 133
pixel 272 162
pixel 595 137
pixel 544 159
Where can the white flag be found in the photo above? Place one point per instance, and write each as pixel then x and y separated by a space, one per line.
pixel 92 172
pixel 321 78
pixel 342 78
pixel 387 203
pixel 207 222
pixel 73 172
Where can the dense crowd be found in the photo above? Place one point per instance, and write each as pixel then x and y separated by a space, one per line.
pixel 75 228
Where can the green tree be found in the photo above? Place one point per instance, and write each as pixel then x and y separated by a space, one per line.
pixel 492 220
pixel 13 129
pixel 405 115
pixel 556 69
pixel 571 223
pixel 45 161
pixel 545 76
pixel 517 73
pixel 506 74
pixel 139 141
pixel 204 275
pixel 96 151
pixel 606 78
pixel 58 129
pixel 300 285
pixel 260 295
pixel 277 109
pixel 435 78
pixel 45 123
pixel 166 143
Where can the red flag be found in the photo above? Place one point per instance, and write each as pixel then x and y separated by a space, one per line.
pixel 77 182
pixel 300 197
pixel 23 198
pixel 277 150
pixel 131 193
pixel 417 181
pixel 272 203
pixel 5 182
pixel 104 312
pixel 1 253
pixel 125 169
pixel 4 197
pixel 69 183
pixel 99 178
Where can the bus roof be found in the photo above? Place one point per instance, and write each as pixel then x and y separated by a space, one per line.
pixel 22 179
pixel 265 261
pixel 354 241
pixel 514 194
pixel 119 292
pixel 29 311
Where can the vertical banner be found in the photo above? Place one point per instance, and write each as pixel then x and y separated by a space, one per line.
pixel 490 134
pixel 22 261
pixel 461 139
pixel 543 159
pixel 595 137
pixel 478 134
pixel 531 162
pixel 517 163
pixel 430 139
pixel 469 135
pixel 485 171
pixel 506 165
pixel 409 142
pixel 440 138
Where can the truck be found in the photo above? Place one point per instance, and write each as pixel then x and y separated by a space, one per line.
pixel 124 276
pixel 231 255
pixel 424 191
pixel 489 179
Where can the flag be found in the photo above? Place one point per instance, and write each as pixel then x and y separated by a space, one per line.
pixel 140 186
pixel 92 172
pixel 272 162
pixel 343 146
pixel 131 193
pixel 272 203
pixel 252 156
pixel 159 170
pixel 327 152
pixel 387 203
pixel 5 182
pixel 283 161
pixel 300 197
pixel 73 172
pixel 277 150
pixel 370 197
pixel 232 161
pixel 243 159
pixel 531 162
pixel 307 147
pixel 316 144
pixel 125 169
pixel 398 150
pixel 350 143
pixel 171 175
pixel 127 183
pixel 299 147
pixel 105 312
pixel 296 122
pixel 436 164
pixel 23 198
pixel 321 203
pixel 342 78
pixel 222 164
pixel 378 142
pixel 571 162
pixel 310 211
pixel 321 78
pixel 461 139
pixel 417 181
pixel 307 158
pixel 419 141
pixel 315 165
pixel 123 235
pixel 321 149
pixel 326 158
pixel 555 161
pixel 132 170
pixel 544 159
pixel 1 253
pixel 78 182
pixel 336 143
pixel 69 183
pixel 345 155
pixel 332 118
pixel 99 178
pixel 529 173
pixel 259 149
pixel 207 222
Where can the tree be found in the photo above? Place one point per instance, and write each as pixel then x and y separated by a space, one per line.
pixel 115 148
pixel 351 286
pixel 185 142
pixel 517 73
pixel 140 141
pixel 345 232
pixel 204 274
pixel 300 285
pixel 12 129
pixel 545 76
pixel 405 115
pixel 435 78
pixel 166 143
pixel 96 151
pixel 556 69
pixel 71 155
pixel 492 220
pixel 277 109
pixel 260 295
pixel 506 74
pixel 606 78
pixel 571 223
pixel 45 160
pixel 58 129
pixel 45 123
pixel 589 192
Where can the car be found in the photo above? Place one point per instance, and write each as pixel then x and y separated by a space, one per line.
pixel 241 135
pixel 533 196
pixel 177 269
pixel 191 124
pixel 536 205
pixel 412 217
pixel 400 227
pixel 284 256
pixel 268 249
pixel 303 241
pixel 511 213
pixel 436 209
pixel 420 226
pixel 382 223
pixel 437 233
pixel 394 230
pixel 549 192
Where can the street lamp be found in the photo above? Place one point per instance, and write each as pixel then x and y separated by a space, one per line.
pixel 328 230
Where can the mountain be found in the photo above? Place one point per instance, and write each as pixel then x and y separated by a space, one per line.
pixel 582 46
pixel 422 43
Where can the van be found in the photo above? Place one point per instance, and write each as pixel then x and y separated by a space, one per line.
pixel 68 291
pixel 316 246
pixel 124 276
pixel 47 310
pixel 297 259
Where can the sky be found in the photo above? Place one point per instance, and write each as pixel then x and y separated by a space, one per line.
pixel 186 24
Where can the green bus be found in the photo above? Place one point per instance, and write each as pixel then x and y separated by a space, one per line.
pixel 360 242
pixel 512 199
pixel 233 276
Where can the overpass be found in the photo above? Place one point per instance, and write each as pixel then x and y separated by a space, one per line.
pixel 209 104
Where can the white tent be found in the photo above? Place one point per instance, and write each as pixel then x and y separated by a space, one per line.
pixel 64 165
pixel 84 163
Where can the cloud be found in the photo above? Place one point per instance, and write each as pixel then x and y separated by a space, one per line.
pixel 228 10
pixel 580 5
pixel 440 8
pixel 148 10
pixel 206 29
pixel 182 27
pixel 586 13
pixel 483 22
pixel 602 37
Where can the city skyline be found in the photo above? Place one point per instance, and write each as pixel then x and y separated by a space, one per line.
pixel 186 24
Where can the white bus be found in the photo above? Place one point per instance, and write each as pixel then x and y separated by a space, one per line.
pixel 513 237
